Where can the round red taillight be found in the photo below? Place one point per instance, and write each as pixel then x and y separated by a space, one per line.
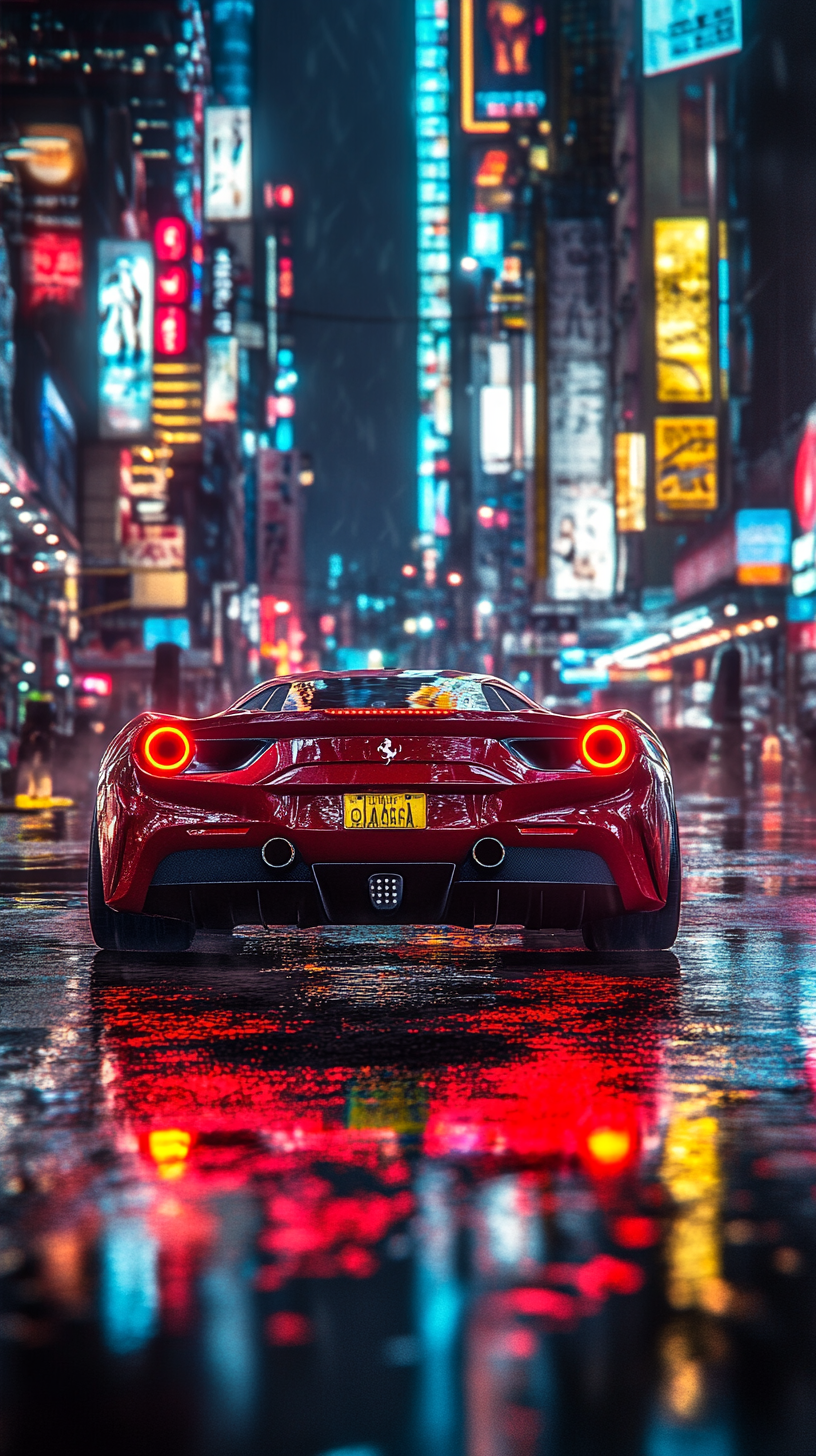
pixel 165 748
pixel 605 748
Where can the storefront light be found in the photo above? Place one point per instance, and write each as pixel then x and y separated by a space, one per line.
pixel 26 517
pixel 63 680
pixel 29 666
pixel 730 609
pixel 52 540
pixel 4 487
pixel 61 555
pixel 39 567
pixel 39 528
pixel 16 501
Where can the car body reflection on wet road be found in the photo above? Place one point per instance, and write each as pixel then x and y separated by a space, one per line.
pixel 402 1192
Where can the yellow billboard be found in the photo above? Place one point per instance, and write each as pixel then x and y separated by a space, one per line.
pixel 685 464
pixel 682 310
pixel 630 482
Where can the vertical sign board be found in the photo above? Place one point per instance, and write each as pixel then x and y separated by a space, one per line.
pixel 228 164
pixel 682 310
pixel 221 387
pixel 502 71
pixel 125 338
pixel 685 465
pixel 280 548
pixel 684 32
pixel 630 481
pixel 582 544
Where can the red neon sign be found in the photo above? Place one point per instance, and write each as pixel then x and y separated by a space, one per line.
pixel 804 479
pixel 52 268
pixel 98 683
pixel 170 239
pixel 171 284
pixel 286 279
pixel 284 195
pixel 170 330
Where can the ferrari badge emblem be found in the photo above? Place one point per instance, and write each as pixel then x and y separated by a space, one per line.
pixel 387 750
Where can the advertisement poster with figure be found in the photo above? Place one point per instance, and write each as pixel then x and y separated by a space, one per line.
pixel 582 500
pixel 125 338
pixel 228 164
pixel 503 62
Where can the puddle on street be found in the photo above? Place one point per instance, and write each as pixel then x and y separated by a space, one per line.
pixel 403 1192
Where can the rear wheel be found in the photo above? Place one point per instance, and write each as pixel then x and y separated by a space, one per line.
pixel 644 929
pixel 122 929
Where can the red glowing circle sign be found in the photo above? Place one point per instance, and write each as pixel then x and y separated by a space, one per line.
pixel 804 479
pixel 170 330
pixel 171 284
pixel 170 239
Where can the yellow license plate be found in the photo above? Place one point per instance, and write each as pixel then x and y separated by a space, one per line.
pixel 384 811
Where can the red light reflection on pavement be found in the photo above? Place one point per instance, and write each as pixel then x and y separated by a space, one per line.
pixel 224 1096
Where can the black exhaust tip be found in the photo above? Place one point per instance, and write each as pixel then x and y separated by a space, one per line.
pixel 488 853
pixel 278 854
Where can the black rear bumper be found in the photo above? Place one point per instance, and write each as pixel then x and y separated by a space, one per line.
pixel 537 887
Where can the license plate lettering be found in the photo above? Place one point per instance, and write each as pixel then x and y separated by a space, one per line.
pixel 384 811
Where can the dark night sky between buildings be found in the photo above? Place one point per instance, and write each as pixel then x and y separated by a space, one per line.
pixel 334 85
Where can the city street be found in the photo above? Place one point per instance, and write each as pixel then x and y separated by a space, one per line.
pixel 408 1191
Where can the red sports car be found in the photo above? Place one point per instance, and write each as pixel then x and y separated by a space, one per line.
pixel 365 798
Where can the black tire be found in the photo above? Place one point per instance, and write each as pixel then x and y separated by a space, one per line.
pixel 122 929
pixel 644 929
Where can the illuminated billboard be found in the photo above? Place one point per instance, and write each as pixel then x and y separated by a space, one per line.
pixel 502 63
pixel 221 387
pixel 763 547
pixel 682 310
pixel 51 158
pixel 52 268
pixel 228 164
pixel 685 465
pixel 125 338
pixel 684 32
pixel 630 482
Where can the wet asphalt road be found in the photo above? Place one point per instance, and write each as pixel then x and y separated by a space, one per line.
pixel 415 1193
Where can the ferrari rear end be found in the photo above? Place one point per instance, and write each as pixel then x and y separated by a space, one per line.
pixel 399 798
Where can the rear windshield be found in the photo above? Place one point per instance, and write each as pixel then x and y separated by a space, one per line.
pixel 407 690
